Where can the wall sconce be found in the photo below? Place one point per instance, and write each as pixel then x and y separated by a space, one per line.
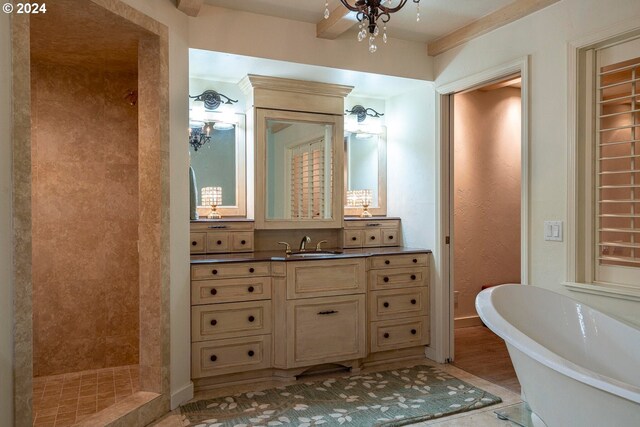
pixel 362 120
pixel 199 135
pixel 212 196
pixel 212 99
pixel 357 198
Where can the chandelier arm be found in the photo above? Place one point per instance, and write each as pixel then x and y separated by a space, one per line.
pixel 352 8
pixel 400 5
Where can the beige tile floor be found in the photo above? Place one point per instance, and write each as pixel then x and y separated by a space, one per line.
pixel 65 399
pixel 483 417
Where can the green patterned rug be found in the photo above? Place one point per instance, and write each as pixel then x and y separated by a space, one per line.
pixel 389 398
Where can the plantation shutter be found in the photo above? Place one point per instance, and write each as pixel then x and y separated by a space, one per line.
pixel 308 180
pixel 617 164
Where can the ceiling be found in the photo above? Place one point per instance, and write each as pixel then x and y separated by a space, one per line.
pixel 88 36
pixel 438 17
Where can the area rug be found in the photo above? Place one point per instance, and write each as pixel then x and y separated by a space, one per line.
pixel 389 398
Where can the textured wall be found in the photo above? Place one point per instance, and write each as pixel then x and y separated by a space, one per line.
pixel 85 219
pixel 486 192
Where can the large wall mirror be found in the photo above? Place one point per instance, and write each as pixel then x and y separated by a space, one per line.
pixel 365 171
pixel 295 169
pixel 217 157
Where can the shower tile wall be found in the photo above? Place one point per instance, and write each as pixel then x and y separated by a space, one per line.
pixel 85 219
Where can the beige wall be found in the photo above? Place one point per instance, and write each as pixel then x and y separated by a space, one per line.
pixel 544 36
pixel 486 193
pixel 85 218
pixel 6 287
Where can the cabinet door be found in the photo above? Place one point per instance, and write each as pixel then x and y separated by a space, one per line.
pixel 325 330
pixel 218 242
pixel 198 243
pixel 353 238
pixel 372 237
pixel 242 242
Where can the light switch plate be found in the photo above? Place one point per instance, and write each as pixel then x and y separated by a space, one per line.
pixel 553 231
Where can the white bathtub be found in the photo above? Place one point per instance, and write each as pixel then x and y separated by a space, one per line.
pixel 576 365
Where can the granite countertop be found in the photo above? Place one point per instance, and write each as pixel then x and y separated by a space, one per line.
pixel 280 256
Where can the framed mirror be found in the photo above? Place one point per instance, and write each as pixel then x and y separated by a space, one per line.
pixel 365 171
pixel 217 159
pixel 296 183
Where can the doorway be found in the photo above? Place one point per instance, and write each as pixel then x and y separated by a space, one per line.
pixel 485 217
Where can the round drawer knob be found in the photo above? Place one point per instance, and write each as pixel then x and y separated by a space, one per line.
pixel 251 353
pixel 194 243
pixel 219 242
pixel 386 334
pixel 413 332
pixel 373 237
pixel 243 242
pixel 250 289
pixel 413 277
pixel 386 279
pixel 413 301
pixel 214 272
pixel 213 291
pixel 386 261
pixel 214 322
pixel 213 358
pixel 386 305
pixel 415 261
pixel 354 238
pixel 251 319
pixel 390 237
pixel 251 270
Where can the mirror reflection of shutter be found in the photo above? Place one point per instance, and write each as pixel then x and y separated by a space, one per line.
pixel 617 167
pixel 307 180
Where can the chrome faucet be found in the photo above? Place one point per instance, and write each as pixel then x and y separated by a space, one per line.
pixel 303 243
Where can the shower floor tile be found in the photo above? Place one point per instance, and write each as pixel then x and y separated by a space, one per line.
pixel 65 399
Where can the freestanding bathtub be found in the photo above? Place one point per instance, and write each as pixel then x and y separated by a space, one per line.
pixel 576 365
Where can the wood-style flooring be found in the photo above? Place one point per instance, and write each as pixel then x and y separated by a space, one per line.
pixel 483 354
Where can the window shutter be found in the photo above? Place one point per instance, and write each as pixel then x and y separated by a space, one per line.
pixel 617 168
pixel 308 180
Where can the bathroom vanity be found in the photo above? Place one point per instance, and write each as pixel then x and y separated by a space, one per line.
pixel 349 295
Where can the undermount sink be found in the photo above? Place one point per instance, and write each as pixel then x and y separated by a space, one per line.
pixel 312 254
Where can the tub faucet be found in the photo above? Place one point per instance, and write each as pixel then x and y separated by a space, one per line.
pixel 303 243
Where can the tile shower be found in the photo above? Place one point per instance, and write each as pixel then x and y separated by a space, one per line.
pixel 85 219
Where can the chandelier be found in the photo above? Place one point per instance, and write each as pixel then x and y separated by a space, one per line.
pixel 368 13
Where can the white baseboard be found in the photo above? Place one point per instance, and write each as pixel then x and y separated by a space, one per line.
pixel 182 395
pixel 466 322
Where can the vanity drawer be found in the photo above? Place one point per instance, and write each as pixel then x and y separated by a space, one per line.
pixel 231 355
pixel 318 278
pixel 325 330
pixel 218 242
pixel 398 303
pixel 395 261
pixel 242 242
pixel 372 237
pixel 390 237
pixel 198 243
pixel 393 334
pixel 218 321
pixel 353 238
pixel 229 270
pixel 398 278
pixel 230 290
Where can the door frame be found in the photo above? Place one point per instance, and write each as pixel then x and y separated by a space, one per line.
pixel 444 216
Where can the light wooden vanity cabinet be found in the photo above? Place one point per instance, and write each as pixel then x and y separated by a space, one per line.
pixel 371 232
pixel 209 237
pixel 325 316
pixel 231 318
pixel 398 301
